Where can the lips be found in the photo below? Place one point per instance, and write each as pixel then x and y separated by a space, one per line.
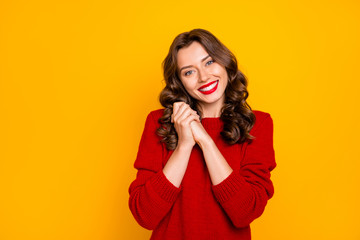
pixel 209 88
pixel 206 85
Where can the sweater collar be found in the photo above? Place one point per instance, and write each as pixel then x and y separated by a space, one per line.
pixel 212 123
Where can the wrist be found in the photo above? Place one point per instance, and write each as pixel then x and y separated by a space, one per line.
pixel 206 142
pixel 184 147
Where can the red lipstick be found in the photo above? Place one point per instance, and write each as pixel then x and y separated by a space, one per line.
pixel 212 89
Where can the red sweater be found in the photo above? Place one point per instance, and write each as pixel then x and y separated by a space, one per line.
pixel 198 209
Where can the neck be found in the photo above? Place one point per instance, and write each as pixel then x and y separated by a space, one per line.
pixel 210 110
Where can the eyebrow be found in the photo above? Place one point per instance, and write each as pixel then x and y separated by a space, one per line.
pixel 192 65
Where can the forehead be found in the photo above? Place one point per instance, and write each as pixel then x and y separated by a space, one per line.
pixel 191 54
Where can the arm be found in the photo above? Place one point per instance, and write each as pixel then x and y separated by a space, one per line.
pixel 218 167
pixel 176 166
pixel 244 193
pixel 151 193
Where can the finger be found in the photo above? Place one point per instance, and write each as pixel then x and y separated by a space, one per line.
pixel 179 112
pixel 195 114
pixel 176 106
pixel 197 117
pixel 189 119
pixel 186 111
pixel 174 110
pixel 189 111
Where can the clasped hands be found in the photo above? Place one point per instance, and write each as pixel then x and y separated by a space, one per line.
pixel 188 126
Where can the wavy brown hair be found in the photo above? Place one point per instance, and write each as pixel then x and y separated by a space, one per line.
pixel 236 113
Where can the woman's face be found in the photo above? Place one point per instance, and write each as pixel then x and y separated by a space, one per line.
pixel 203 78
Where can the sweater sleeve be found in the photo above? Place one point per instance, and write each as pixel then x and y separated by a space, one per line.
pixel 151 193
pixel 245 192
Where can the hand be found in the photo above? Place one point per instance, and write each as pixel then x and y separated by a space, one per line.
pixel 182 116
pixel 199 133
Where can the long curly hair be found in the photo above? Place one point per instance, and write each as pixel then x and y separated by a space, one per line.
pixel 236 113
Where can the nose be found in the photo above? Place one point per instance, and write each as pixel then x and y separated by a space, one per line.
pixel 203 75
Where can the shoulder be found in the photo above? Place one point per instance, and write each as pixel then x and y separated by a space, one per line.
pixel 153 116
pixel 156 114
pixel 152 124
pixel 261 119
pixel 260 114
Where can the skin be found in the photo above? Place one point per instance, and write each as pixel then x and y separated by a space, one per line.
pixel 187 122
pixel 196 71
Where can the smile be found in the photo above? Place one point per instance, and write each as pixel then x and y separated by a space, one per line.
pixel 209 88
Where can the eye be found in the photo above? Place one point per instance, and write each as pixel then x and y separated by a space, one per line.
pixel 211 61
pixel 186 73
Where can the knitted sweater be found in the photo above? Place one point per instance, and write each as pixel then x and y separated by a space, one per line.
pixel 198 209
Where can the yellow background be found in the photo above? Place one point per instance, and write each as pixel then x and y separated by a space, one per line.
pixel 78 78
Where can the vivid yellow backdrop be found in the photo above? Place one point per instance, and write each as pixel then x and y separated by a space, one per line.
pixel 77 79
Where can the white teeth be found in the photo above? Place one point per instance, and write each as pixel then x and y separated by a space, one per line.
pixel 209 87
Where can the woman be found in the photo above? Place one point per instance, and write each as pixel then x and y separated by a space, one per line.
pixel 204 161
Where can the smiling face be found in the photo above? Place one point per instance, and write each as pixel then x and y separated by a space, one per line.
pixel 203 78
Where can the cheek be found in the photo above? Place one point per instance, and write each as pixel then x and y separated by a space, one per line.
pixel 219 70
pixel 224 76
pixel 188 85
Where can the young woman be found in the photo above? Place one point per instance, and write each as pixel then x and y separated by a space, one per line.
pixel 204 160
